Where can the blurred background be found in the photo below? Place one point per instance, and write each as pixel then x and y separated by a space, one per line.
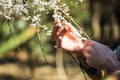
pixel 27 55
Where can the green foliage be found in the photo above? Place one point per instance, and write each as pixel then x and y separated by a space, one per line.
pixel 14 30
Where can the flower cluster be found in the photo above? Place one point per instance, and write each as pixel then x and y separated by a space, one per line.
pixel 12 7
pixel 29 10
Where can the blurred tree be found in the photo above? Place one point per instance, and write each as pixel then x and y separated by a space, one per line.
pixel 106 21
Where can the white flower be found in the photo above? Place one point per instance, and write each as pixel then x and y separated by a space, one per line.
pixel 49 32
pixel 7 17
pixel 1 13
pixel 30 11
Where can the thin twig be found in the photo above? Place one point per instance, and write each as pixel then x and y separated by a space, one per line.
pixel 42 49
pixel 10 29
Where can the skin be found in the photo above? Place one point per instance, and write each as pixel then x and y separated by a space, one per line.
pixel 90 53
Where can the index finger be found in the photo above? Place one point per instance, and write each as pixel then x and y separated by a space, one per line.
pixel 56 29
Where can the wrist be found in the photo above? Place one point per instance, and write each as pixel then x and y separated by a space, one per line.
pixel 78 49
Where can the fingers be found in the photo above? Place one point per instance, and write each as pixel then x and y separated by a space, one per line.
pixel 62 32
pixel 67 25
pixel 70 27
pixel 59 41
pixel 57 29
pixel 60 36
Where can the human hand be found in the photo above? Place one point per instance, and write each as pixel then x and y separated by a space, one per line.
pixel 67 37
pixel 90 53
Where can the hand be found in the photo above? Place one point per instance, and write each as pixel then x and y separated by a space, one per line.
pixel 90 53
pixel 67 37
